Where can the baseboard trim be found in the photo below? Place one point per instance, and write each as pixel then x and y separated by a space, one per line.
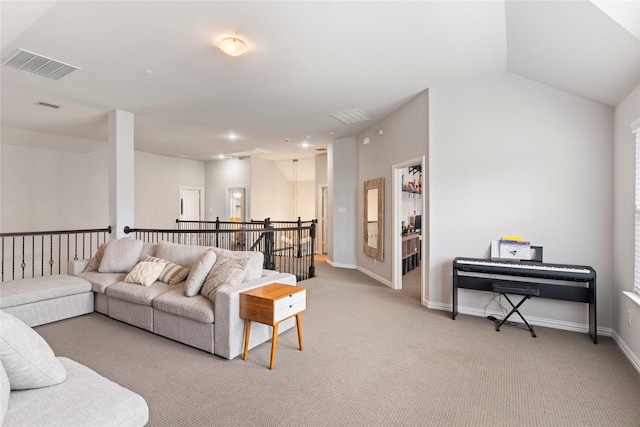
pixel 626 351
pixel 376 277
pixel 538 321
pixel 333 264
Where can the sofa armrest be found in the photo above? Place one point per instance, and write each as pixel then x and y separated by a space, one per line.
pixel 76 267
pixel 266 272
pixel 227 323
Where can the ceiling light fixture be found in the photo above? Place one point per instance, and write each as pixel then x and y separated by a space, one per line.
pixel 232 46
pixel 232 136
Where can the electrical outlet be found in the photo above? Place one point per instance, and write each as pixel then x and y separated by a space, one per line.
pixel 629 319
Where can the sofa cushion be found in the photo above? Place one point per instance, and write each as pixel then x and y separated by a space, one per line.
pixel 228 270
pixel 145 273
pixel 185 255
pixel 143 295
pixel 84 399
pixel 100 281
pixel 5 388
pixel 120 256
pixel 27 358
pixel 94 261
pixel 175 301
pixel 36 289
pixel 199 273
pixel 148 249
pixel 172 272
pixel 256 261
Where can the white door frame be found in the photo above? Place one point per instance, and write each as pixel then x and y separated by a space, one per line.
pixel 245 210
pixel 396 226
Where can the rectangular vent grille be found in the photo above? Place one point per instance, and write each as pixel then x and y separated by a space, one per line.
pixel 351 116
pixel 40 65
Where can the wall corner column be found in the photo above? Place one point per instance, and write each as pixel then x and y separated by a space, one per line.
pixel 121 172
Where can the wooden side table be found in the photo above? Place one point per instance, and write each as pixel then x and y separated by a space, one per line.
pixel 272 304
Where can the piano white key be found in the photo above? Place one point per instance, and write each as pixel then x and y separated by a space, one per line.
pixel 525 266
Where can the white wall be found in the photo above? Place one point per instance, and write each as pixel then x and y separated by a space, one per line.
pixel 157 183
pixel 405 136
pixel 220 175
pixel 624 200
pixel 57 190
pixel 45 190
pixel 270 191
pixel 509 156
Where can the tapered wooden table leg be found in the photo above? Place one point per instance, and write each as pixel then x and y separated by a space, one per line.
pixel 274 343
pixel 299 325
pixel 247 332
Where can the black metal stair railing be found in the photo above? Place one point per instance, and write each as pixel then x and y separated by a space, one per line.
pixel 288 246
pixel 45 253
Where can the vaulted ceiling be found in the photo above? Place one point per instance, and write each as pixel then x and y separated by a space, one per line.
pixel 306 60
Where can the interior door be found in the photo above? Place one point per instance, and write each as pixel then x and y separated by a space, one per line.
pixel 190 204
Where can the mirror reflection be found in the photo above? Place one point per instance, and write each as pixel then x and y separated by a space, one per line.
pixel 373 218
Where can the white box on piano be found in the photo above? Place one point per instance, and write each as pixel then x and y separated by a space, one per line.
pixel 512 249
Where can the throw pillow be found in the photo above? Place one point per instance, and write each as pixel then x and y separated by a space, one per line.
pixel 145 273
pixel 255 261
pixel 172 273
pixel 227 271
pixel 199 273
pixel 148 249
pixel 94 261
pixel 27 358
pixel 120 256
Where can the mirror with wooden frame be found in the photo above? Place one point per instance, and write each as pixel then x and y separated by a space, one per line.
pixel 374 218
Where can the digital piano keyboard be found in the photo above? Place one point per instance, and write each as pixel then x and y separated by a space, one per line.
pixel 556 281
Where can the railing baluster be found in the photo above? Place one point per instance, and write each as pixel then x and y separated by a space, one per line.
pixel 38 248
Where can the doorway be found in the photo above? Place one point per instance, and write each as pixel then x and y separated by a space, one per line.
pixel 409 226
pixel 237 204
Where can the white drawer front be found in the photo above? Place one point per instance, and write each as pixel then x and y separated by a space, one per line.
pixel 290 300
pixel 289 310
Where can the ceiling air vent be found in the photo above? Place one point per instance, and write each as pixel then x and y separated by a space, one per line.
pixel 37 64
pixel 351 116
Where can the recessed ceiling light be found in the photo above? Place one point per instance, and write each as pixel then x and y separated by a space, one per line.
pixel 305 144
pixel 331 132
pixel 232 136
pixel 232 46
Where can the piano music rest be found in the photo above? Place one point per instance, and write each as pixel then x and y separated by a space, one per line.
pixel 527 291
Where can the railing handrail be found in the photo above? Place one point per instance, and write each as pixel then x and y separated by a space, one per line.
pixel 39 233
pixel 128 230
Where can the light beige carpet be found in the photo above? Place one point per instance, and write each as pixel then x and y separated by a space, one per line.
pixel 372 357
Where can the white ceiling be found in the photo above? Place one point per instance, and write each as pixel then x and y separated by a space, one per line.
pixel 306 60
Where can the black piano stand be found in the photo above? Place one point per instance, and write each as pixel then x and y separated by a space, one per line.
pixel 527 291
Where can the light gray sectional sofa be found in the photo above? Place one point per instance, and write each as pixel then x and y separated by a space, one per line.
pixel 39 389
pixel 187 293
pixel 208 320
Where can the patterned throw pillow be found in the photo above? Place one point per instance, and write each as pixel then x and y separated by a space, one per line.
pixel 172 273
pixel 228 271
pixel 145 273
